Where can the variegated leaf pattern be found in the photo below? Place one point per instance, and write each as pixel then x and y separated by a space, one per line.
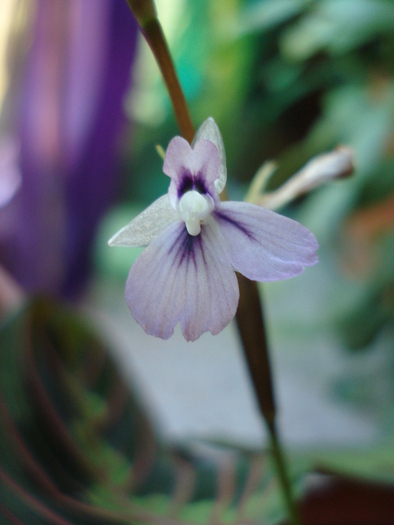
pixel 76 446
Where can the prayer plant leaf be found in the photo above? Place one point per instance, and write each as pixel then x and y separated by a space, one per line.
pixel 77 448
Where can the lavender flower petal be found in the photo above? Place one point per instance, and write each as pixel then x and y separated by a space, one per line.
pixel 142 230
pixel 263 245
pixel 183 278
pixel 201 165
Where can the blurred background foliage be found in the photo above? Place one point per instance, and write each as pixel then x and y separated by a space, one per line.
pixel 284 80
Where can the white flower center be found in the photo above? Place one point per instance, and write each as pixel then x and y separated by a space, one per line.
pixel 193 208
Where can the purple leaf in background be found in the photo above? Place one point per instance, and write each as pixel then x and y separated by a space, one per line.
pixel 71 115
pixel 10 176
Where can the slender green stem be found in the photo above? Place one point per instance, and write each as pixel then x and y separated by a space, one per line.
pixel 281 470
pixel 251 327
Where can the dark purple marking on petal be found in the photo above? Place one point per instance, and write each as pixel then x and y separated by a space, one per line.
pixel 185 244
pixel 263 245
pixel 199 184
pixel 191 182
pixel 235 223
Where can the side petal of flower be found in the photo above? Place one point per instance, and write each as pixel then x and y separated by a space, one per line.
pixel 183 278
pixel 142 230
pixel 210 131
pixel 263 245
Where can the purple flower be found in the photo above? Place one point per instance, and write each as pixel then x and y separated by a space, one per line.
pixel 196 242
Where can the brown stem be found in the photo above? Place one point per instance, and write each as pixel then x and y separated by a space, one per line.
pixel 143 10
pixel 251 327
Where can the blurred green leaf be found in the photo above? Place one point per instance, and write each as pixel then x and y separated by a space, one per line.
pixel 337 27
pixel 265 15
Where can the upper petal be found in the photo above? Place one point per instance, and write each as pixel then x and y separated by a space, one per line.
pixel 186 279
pixel 200 163
pixel 210 131
pixel 263 245
pixel 147 225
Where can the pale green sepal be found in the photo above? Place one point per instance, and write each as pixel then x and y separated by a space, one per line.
pixel 142 230
pixel 210 131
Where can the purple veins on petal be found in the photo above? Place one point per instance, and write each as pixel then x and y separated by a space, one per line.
pixel 263 245
pixel 186 279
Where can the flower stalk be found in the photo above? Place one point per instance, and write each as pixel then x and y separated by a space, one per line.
pixel 249 317
pixel 282 473
pixel 251 327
